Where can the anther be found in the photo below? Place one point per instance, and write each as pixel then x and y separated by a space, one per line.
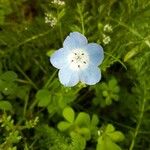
pixel 84 62
pixel 75 53
pixel 82 54
pixel 72 60
pixel 78 66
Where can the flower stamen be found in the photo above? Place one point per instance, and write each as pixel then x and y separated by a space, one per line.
pixel 79 59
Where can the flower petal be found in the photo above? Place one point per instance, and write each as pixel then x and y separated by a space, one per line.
pixel 58 59
pixel 75 40
pixel 91 75
pixel 68 77
pixel 95 52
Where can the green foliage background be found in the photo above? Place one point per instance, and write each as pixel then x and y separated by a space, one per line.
pixel 38 113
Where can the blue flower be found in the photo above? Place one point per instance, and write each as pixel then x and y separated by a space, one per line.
pixel 78 60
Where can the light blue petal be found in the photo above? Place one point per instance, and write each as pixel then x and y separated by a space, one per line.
pixel 95 52
pixel 68 77
pixel 75 40
pixel 90 75
pixel 58 59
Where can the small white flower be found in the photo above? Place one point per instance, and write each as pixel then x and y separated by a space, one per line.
pixel 58 2
pixel 51 20
pixel 106 39
pixel 108 28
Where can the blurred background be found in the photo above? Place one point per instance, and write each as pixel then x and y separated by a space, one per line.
pixel 111 115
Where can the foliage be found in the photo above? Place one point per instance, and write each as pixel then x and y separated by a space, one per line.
pixel 37 112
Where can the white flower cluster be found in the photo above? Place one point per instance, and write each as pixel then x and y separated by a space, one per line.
pixel 58 2
pixel 106 39
pixel 50 19
pixel 108 28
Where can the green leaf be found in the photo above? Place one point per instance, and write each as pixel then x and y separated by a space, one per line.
pixel 105 143
pixel 131 53
pixel 116 89
pixel 105 93
pixel 85 132
pixel 44 98
pixel 110 128
pixel 116 136
pixel 69 114
pixel 23 91
pixel 8 88
pixel 78 141
pixel 83 119
pixel 94 120
pixel 5 105
pixel 50 52
pixel 112 83
pixel 61 14
pixel 9 76
pixel 63 125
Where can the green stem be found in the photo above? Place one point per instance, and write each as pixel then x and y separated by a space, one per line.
pixel 22 81
pixel 118 60
pixel 32 38
pixel 50 79
pixel 82 20
pixel 60 31
pixel 82 24
pixel 48 83
pixel 25 105
pixel 134 32
pixel 30 81
pixel 138 125
pixel 60 27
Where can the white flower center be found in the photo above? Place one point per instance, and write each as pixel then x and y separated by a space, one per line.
pixel 78 59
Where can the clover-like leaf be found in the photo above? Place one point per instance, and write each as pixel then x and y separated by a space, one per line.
pixel 43 96
pixel 5 105
pixel 105 143
pixel 112 83
pixel 78 141
pixel 116 136
pixel 107 139
pixel 110 128
pixel 8 88
pixel 94 120
pixel 69 114
pixel 63 125
pixel 9 76
pixel 85 132
pixel 83 119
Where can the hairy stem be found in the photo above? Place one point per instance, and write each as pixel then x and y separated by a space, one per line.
pixel 138 125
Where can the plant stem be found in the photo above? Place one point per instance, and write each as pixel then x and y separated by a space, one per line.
pixel 30 81
pixel 33 38
pixel 117 59
pixel 138 125
pixel 60 31
pixel 50 79
pixel 26 104
pixel 60 27
pixel 82 19
pixel 82 24
pixel 45 86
